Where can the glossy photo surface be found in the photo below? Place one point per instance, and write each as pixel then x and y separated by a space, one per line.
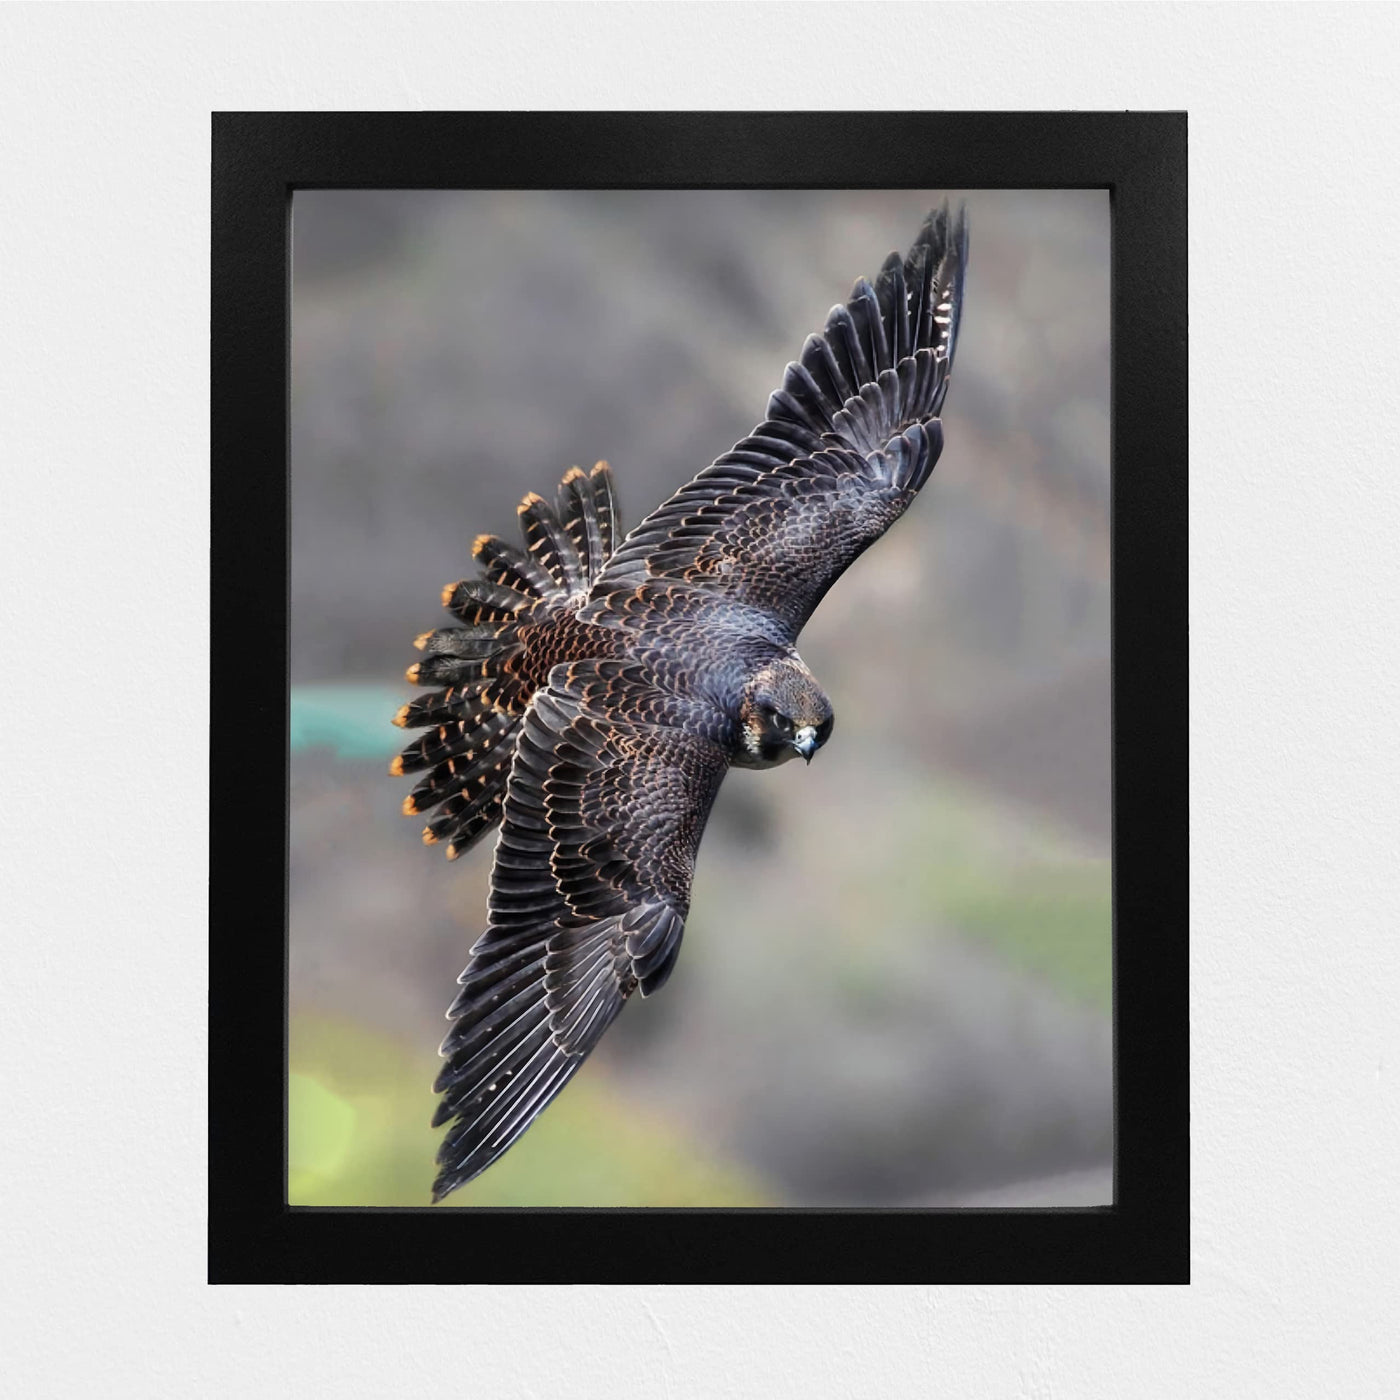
pixel 895 982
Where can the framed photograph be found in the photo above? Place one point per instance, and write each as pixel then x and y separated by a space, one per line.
pixel 928 1018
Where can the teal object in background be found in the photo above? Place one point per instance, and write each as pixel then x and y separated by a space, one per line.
pixel 354 720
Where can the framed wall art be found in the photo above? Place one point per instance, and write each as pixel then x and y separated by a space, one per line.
pixel 928 1018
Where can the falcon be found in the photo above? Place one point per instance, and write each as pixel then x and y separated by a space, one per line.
pixel 596 690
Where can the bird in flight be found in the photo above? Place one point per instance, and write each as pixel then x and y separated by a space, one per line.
pixel 596 690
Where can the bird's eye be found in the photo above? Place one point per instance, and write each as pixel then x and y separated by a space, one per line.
pixel 783 723
pixel 824 729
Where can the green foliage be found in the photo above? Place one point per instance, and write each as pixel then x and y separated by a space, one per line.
pixel 1018 886
pixel 1053 920
pixel 359 1105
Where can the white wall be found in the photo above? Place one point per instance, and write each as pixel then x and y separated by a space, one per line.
pixel 103 256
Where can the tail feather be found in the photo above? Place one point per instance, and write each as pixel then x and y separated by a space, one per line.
pixel 605 502
pixel 469 772
pixel 588 510
pixel 505 565
pixel 465 741
pixel 478 600
pixel 472 810
pixel 461 672
pixel 480 639
pixel 579 512
pixel 474 713
pixel 548 544
pixel 440 707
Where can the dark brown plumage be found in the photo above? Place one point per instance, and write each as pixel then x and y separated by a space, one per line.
pixel 594 693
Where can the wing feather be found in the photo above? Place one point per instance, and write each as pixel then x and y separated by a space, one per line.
pixel 603 816
pixel 849 438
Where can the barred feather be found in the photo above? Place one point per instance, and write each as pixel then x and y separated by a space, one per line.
pixel 605 503
pixel 508 567
pixel 462 738
pixel 549 545
pixel 484 673
pixel 578 511
pixel 479 600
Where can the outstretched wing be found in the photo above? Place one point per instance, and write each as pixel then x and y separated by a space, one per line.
pixel 848 441
pixel 604 811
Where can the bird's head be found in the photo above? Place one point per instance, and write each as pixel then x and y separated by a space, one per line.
pixel 782 712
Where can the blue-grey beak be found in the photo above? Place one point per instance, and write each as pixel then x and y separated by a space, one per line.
pixel 805 741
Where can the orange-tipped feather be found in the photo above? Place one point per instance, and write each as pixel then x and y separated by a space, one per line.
pixel 474 672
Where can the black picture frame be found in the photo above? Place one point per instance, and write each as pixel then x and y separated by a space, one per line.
pixel 258 160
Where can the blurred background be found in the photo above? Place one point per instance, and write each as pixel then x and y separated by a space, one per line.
pixel 895 985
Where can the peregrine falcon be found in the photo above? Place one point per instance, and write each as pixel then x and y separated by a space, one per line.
pixel 597 690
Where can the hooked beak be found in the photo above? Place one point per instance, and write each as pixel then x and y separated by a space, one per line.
pixel 805 742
